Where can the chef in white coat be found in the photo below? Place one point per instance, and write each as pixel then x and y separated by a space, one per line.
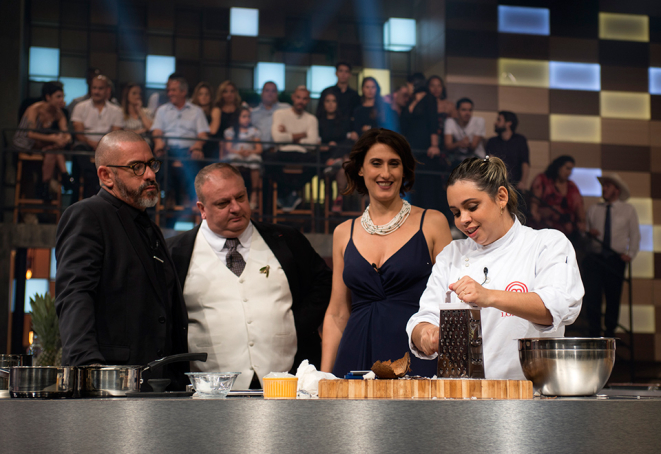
pixel 526 282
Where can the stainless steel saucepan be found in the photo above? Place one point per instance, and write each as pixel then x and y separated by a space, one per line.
pixel 46 382
pixel 7 361
pixel 116 381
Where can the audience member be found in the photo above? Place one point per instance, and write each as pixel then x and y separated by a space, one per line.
pixel 445 108
pixel 399 100
pixel 92 118
pixel 255 292
pixel 179 118
pixel 225 110
pixel 370 113
pixel 347 97
pixel 615 224
pixel 335 133
pixel 262 115
pixel 512 148
pixel 91 75
pixel 247 153
pixel 48 131
pixel 158 98
pixel 556 201
pixel 110 93
pixel 136 117
pixel 294 126
pixel 419 123
pixel 465 134
pixel 202 96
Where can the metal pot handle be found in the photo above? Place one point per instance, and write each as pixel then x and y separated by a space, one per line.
pixel 175 359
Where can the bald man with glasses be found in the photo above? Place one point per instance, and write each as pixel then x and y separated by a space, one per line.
pixel 117 296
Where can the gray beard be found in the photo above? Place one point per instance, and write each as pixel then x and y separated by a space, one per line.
pixel 136 196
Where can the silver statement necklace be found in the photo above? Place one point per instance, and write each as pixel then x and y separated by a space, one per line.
pixel 387 229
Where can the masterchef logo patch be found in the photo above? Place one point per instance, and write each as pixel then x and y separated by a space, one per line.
pixel 518 287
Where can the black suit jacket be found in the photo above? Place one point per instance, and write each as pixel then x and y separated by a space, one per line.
pixel 111 306
pixel 307 273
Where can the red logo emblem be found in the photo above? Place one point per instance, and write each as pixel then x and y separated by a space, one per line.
pixel 518 287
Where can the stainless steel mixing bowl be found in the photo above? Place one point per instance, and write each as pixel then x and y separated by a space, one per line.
pixel 567 366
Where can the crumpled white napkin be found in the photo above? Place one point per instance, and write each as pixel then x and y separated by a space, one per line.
pixel 308 380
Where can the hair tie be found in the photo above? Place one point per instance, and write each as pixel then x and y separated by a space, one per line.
pixel 486 159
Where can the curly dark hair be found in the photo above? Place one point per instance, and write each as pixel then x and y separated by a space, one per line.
pixel 357 157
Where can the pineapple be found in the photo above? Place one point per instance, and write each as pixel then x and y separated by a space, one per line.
pixel 47 329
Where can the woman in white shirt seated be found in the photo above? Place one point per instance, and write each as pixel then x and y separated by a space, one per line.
pixel 526 282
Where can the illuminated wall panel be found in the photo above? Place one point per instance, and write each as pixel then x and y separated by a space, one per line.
pixel 655 81
pixel 586 180
pixel 575 128
pixel 73 87
pixel 399 35
pixel 656 234
pixel 643 206
pixel 382 76
pixel 159 68
pixel 265 72
pixel 624 27
pixel 33 286
pixel 44 63
pixel 646 238
pixel 529 21
pixel 320 77
pixel 643 318
pixel 244 21
pixel 574 76
pixel 525 73
pixel 633 106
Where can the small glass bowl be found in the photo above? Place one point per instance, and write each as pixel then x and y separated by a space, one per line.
pixel 212 385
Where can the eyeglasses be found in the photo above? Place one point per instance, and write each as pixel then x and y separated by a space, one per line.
pixel 140 167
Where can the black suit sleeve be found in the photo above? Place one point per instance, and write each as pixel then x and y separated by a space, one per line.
pixel 79 252
pixel 316 282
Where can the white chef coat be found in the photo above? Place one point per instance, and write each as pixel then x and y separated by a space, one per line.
pixel 524 260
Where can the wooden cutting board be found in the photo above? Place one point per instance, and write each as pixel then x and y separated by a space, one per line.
pixel 425 389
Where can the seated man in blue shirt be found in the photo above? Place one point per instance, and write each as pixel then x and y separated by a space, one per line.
pixel 262 115
pixel 184 122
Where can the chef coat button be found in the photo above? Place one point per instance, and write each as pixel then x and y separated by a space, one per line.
pixel 245 300
pixel 467 264
pixel 252 344
pixel 249 322
pixel 466 259
pixel 240 281
pixel 161 319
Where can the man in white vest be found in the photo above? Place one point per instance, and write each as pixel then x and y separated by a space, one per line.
pixel 256 293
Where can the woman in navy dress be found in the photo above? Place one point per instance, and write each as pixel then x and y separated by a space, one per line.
pixel 381 261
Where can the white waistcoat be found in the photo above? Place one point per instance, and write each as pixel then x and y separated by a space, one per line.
pixel 244 323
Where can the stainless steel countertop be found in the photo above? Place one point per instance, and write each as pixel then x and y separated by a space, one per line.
pixel 329 426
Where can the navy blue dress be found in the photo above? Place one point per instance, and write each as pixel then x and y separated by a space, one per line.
pixel 381 305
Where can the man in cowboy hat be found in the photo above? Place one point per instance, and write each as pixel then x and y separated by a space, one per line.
pixel 615 224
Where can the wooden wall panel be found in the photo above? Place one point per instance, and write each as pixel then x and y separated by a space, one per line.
pixel 523 46
pixel 485 97
pixel 472 70
pixel 539 153
pixel 620 78
pixel 639 182
pixel 533 126
pixel 625 132
pixel 625 157
pixel 574 102
pixel 655 133
pixel 655 159
pixel 489 120
pixel 574 50
pixel 73 40
pixel 187 48
pixel 523 100
pixel 585 154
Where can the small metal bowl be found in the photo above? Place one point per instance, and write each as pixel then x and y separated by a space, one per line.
pixel 567 366
pixel 212 385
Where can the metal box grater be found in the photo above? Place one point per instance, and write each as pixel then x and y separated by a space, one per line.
pixel 460 344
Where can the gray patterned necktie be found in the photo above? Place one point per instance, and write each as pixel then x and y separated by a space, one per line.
pixel 235 261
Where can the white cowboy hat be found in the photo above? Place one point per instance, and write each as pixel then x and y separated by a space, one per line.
pixel 617 181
